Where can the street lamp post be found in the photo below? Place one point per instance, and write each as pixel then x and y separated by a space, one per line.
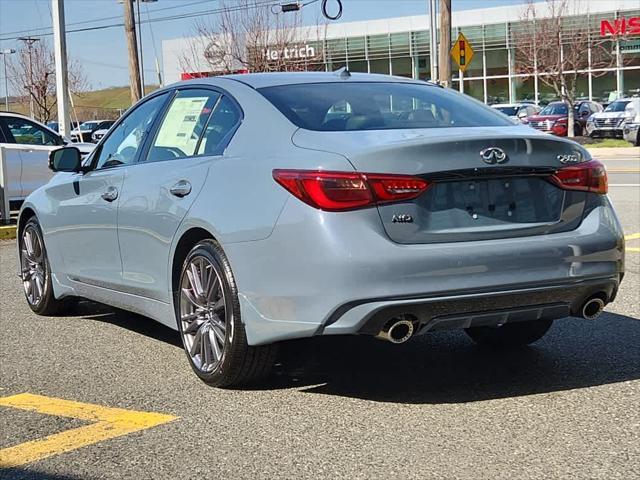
pixel 29 41
pixel 4 54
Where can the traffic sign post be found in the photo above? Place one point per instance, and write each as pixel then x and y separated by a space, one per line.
pixel 461 52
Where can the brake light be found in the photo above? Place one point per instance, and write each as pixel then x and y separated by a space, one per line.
pixel 588 176
pixel 340 191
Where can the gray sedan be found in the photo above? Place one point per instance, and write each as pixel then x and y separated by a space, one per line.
pixel 250 209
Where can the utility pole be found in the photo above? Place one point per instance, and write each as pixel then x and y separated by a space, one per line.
pixel 445 42
pixel 4 53
pixel 62 75
pixel 29 41
pixel 140 45
pixel 134 65
pixel 433 40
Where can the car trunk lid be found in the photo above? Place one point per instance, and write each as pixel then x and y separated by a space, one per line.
pixel 470 197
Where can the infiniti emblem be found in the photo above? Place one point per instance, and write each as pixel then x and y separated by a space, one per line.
pixel 492 155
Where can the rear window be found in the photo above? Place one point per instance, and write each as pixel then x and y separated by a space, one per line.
pixel 378 106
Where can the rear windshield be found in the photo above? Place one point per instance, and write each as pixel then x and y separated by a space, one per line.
pixel 378 106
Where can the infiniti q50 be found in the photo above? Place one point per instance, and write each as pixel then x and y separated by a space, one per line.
pixel 250 209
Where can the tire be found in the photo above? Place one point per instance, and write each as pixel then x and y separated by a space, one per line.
pixel 637 144
pixel 210 325
pixel 36 272
pixel 518 334
pixel 577 130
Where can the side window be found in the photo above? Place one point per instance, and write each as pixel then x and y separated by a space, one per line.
pixel 123 143
pixel 222 123
pixel 27 133
pixel 183 125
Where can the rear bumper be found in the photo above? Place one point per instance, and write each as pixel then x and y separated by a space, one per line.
pixel 318 272
pixel 464 310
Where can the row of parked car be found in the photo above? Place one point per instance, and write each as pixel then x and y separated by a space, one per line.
pixel 620 118
pixel 91 131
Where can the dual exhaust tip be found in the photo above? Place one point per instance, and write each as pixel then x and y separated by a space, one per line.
pixel 400 329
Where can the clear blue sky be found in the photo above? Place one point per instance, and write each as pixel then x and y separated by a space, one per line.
pixel 103 53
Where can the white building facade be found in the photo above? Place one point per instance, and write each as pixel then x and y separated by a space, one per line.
pixel 400 46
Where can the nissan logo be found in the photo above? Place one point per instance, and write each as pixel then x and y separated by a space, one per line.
pixel 493 155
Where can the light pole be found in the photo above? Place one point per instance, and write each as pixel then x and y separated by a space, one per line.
pixel 29 41
pixel 4 54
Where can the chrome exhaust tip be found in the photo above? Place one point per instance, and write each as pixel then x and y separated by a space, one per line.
pixel 592 308
pixel 397 330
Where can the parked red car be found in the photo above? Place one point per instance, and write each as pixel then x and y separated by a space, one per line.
pixel 553 118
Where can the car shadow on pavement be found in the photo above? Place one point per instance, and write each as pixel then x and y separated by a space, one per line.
pixel 32 474
pixel 446 367
pixel 131 321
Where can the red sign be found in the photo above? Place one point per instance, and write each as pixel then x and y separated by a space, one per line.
pixel 620 26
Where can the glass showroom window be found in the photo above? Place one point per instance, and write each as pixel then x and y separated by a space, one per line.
pixel 604 86
pixel 474 88
pixel 525 88
pixel 546 93
pixel 631 82
pixel 401 67
pixel 379 66
pixel 497 90
pixel 582 86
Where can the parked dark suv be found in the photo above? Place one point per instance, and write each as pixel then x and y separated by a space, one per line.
pixel 553 118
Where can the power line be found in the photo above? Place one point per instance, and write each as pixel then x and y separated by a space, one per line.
pixel 158 19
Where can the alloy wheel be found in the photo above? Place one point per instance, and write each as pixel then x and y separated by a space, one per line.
pixel 32 259
pixel 203 314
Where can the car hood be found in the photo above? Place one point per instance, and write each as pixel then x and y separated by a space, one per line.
pixel 85 148
pixel 608 115
pixel 542 118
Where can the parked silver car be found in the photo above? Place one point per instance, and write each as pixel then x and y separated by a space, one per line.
pixel 610 122
pixel 249 209
pixel 631 126
pixel 26 155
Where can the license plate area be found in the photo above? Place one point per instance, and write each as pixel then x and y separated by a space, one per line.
pixel 482 209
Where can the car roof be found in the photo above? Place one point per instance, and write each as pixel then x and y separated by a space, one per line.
pixel 512 104
pixel 273 79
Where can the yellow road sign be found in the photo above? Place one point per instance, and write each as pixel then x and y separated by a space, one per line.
pixel 461 52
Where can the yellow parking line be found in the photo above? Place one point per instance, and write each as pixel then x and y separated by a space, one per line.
pixel 632 236
pixel 109 423
pixel 623 170
pixel 632 249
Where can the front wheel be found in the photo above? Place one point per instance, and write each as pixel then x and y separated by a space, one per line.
pixel 36 272
pixel 208 317
pixel 516 334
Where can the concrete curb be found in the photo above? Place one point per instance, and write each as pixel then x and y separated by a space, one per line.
pixel 7 232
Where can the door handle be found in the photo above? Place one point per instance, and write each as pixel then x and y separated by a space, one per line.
pixel 110 194
pixel 181 189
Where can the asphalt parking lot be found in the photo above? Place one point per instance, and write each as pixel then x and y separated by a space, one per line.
pixel 108 394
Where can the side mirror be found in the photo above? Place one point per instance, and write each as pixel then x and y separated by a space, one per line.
pixel 585 113
pixel 67 159
pixel 522 114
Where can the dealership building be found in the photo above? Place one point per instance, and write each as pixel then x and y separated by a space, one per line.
pixel 400 46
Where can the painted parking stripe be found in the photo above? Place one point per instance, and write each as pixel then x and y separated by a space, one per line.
pixel 632 236
pixel 107 422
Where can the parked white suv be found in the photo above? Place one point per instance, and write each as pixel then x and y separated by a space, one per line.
pixel 631 126
pixel 609 122
pixel 26 155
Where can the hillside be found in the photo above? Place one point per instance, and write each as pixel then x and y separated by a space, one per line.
pixel 106 103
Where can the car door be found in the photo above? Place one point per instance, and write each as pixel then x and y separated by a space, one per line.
pixel 158 192
pixel 13 166
pixel 29 158
pixel 84 205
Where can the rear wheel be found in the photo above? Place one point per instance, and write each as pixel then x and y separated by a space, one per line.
pixel 516 334
pixel 36 272
pixel 208 316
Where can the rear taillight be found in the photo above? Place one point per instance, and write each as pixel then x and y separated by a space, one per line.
pixel 588 176
pixel 340 191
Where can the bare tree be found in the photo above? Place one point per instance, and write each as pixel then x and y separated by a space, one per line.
pixel 248 36
pixel 553 40
pixel 33 77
